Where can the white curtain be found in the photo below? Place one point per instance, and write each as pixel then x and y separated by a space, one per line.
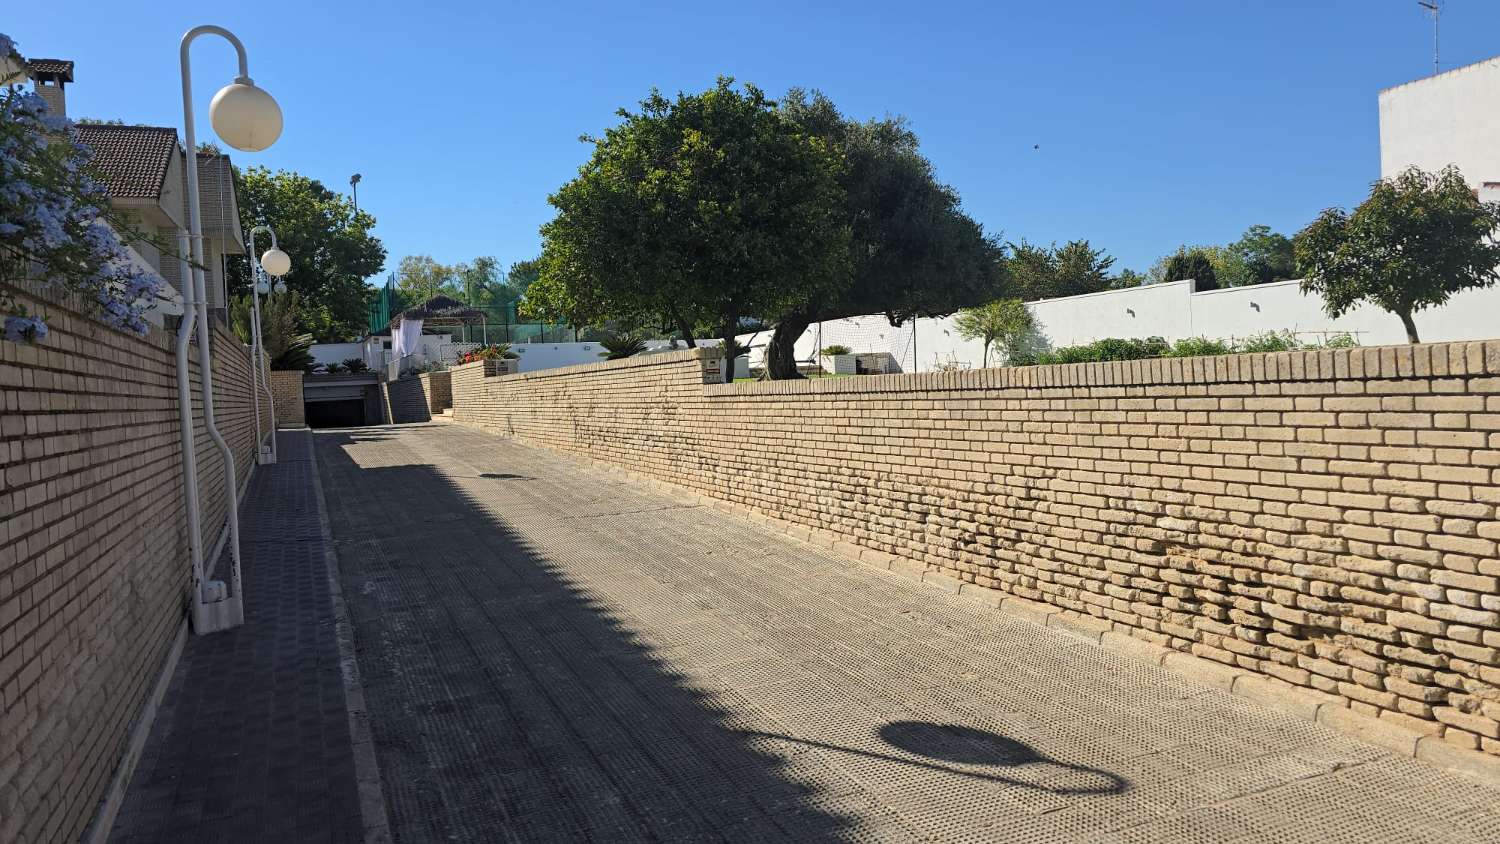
pixel 406 339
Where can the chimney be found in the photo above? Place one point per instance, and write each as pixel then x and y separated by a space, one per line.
pixel 49 76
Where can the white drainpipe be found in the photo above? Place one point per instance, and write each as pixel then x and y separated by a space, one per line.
pixel 185 416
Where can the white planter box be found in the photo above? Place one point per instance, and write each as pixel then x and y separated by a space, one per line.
pixel 840 364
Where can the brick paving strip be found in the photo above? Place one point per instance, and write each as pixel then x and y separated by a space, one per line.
pixel 553 653
pixel 253 740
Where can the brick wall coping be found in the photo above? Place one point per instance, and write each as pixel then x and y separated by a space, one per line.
pixel 1478 358
pixel 1458 359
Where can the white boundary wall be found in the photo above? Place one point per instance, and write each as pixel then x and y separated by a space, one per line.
pixel 1172 311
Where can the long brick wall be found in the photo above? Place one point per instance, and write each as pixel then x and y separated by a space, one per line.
pixel 93 549
pixel 1324 518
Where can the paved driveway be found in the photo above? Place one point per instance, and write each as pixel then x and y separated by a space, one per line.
pixel 553 654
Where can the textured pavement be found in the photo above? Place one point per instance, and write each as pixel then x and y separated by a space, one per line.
pixel 552 653
pixel 252 740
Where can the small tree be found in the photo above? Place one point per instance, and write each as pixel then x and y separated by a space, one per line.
pixel 1005 323
pixel 1417 240
pixel 1192 264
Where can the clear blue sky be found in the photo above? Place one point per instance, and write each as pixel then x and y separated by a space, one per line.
pixel 1159 121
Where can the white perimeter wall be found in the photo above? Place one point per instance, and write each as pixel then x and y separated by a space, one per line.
pixel 1171 311
pixel 326 353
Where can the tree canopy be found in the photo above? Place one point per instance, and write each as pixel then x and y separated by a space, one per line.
pixel 1418 239
pixel 699 211
pixel 331 246
pixel 912 249
pixel 1050 272
pixel 1192 264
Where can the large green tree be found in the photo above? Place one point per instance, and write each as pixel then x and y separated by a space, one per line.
pixel 701 211
pixel 420 278
pixel 1051 272
pixel 1418 239
pixel 331 247
pixel 1268 255
pixel 912 250
pixel 1195 264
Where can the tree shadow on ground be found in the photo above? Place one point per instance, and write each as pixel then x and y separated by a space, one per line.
pixel 510 700
pixel 508 704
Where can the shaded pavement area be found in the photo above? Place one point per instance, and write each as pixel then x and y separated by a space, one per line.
pixel 252 740
pixel 553 653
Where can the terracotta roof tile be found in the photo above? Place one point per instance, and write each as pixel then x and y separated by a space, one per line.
pixel 50 67
pixel 132 160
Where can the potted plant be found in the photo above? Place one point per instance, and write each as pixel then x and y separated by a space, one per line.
pixel 505 359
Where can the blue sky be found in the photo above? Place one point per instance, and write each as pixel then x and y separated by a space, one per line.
pixel 1158 122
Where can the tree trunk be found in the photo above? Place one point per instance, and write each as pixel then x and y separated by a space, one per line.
pixel 729 356
pixel 1411 327
pixel 685 329
pixel 985 358
pixel 781 353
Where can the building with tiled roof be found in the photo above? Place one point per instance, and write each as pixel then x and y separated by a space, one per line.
pixel 132 161
pixel 142 169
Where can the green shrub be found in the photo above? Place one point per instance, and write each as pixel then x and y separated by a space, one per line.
pixel 836 349
pixel 1270 341
pixel 1197 347
pixel 1117 348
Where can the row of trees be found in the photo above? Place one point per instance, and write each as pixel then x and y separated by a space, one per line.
pixel 1415 241
pixel 712 211
pixel 1259 256
pixel 479 283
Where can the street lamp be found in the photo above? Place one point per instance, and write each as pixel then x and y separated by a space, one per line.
pixel 248 119
pixel 354 186
pixel 263 272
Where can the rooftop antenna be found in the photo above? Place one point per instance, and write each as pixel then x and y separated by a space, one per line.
pixel 1435 8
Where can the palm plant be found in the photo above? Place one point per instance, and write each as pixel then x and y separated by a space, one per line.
pixel 621 346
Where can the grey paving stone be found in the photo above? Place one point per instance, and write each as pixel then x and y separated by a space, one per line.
pixel 251 742
pixel 553 653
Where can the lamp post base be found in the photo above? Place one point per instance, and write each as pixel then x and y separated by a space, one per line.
pixel 221 613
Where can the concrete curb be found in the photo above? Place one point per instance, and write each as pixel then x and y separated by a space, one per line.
pixel 1308 704
pixel 372 807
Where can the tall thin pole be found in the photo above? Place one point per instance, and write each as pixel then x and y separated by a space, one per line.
pixel 205 361
pixel 1435 7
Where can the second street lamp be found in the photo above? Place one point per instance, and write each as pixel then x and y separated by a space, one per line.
pixel 263 272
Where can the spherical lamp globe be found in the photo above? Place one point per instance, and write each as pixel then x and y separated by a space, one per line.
pixel 245 117
pixel 263 287
pixel 275 262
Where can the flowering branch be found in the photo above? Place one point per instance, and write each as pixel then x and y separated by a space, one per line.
pixel 55 222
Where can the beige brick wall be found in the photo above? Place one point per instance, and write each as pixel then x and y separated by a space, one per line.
pixel 438 386
pixel 286 389
pixel 93 552
pixel 1327 518
pixel 406 400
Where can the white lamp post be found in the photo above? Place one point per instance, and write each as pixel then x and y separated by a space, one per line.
pixel 274 263
pixel 246 118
